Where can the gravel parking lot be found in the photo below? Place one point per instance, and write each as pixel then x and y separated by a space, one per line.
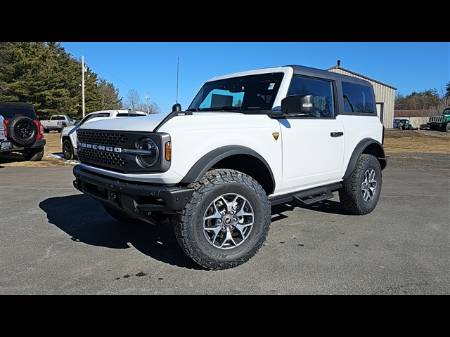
pixel 57 241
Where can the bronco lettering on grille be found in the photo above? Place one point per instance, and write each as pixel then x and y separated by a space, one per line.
pixel 101 147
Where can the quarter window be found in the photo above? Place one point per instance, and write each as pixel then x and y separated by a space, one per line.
pixel 321 91
pixel 358 98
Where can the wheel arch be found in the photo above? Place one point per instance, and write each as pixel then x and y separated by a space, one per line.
pixel 367 146
pixel 234 157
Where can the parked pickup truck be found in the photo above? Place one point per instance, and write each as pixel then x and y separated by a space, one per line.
pixel 57 123
pixel 442 122
pixel 248 141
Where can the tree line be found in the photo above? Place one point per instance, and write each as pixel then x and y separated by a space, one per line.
pixel 44 74
pixel 424 100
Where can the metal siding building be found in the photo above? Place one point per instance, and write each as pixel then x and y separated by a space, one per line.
pixel 384 95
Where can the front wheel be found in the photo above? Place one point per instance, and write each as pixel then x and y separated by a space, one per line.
pixel 67 149
pixel 362 188
pixel 226 221
pixel 447 127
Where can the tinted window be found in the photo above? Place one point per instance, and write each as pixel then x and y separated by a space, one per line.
pixel 254 92
pixel 358 98
pixel 321 91
pixel 12 110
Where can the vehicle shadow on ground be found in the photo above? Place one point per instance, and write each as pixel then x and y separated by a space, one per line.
pixel 85 220
pixel 11 158
pixel 325 206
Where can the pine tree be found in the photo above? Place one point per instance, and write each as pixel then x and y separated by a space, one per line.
pixel 45 75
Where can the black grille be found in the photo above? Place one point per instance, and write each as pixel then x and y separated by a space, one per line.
pixel 109 138
pixel 103 158
pixel 112 150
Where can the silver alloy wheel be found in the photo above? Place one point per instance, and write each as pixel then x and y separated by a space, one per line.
pixel 228 221
pixel 369 185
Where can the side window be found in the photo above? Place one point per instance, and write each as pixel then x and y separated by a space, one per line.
pixel 358 98
pixel 321 91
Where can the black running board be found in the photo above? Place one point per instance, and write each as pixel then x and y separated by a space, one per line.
pixel 308 197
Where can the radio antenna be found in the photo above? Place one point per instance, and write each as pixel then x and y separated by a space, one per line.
pixel 178 70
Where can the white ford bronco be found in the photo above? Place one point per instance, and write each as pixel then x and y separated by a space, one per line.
pixel 247 141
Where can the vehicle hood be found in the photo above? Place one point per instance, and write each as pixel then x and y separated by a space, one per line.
pixel 67 130
pixel 210 121
pixel 144 123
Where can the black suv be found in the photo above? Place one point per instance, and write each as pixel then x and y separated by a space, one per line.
pixel 23 130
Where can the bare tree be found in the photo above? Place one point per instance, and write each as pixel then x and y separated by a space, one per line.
pixel 133 101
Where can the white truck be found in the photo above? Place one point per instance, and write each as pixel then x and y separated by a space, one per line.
pixel 69 134
pixel 57 123
pixel 248 140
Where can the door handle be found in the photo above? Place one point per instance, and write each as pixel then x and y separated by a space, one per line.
pixel 336 134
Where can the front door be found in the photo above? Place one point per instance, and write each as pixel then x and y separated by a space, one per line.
pixel 313 145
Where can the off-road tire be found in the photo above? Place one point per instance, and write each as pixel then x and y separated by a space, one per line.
pixel 67 149
pixel 189 228
pixel 119 215
pixel 34 154
pixel 447 127
pixel 351 196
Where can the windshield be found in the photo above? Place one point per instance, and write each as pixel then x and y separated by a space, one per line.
pixel 446 112
pixel 245 93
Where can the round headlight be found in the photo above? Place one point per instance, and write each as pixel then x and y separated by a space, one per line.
pixel 149 152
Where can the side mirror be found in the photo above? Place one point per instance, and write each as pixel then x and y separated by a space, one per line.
pixel 176 107
pixel 297 105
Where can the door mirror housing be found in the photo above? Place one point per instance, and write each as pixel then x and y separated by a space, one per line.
pixel 293 105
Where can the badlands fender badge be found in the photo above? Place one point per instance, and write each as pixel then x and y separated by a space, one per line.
pixel 275 135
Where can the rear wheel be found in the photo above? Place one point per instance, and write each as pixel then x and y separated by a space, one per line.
pixel 361 190
pixel 226 221
pixel 34 154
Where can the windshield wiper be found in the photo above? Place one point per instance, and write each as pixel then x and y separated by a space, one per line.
pixel 193 109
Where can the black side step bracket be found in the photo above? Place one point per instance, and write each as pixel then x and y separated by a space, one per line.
pixel 310 196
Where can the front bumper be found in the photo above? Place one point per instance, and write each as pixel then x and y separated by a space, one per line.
pixel 137 199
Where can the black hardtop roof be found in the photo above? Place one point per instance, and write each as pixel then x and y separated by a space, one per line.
pixel 309 71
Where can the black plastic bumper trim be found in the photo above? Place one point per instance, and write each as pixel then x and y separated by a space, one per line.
pixel 132 197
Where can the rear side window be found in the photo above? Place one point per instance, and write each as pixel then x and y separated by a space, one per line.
pixel 9 111
pixel 358 98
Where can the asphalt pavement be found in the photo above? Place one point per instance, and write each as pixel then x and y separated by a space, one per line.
pixel 54 240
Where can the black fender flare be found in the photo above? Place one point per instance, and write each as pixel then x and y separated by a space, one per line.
pixel 359 149
pixel 211 158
